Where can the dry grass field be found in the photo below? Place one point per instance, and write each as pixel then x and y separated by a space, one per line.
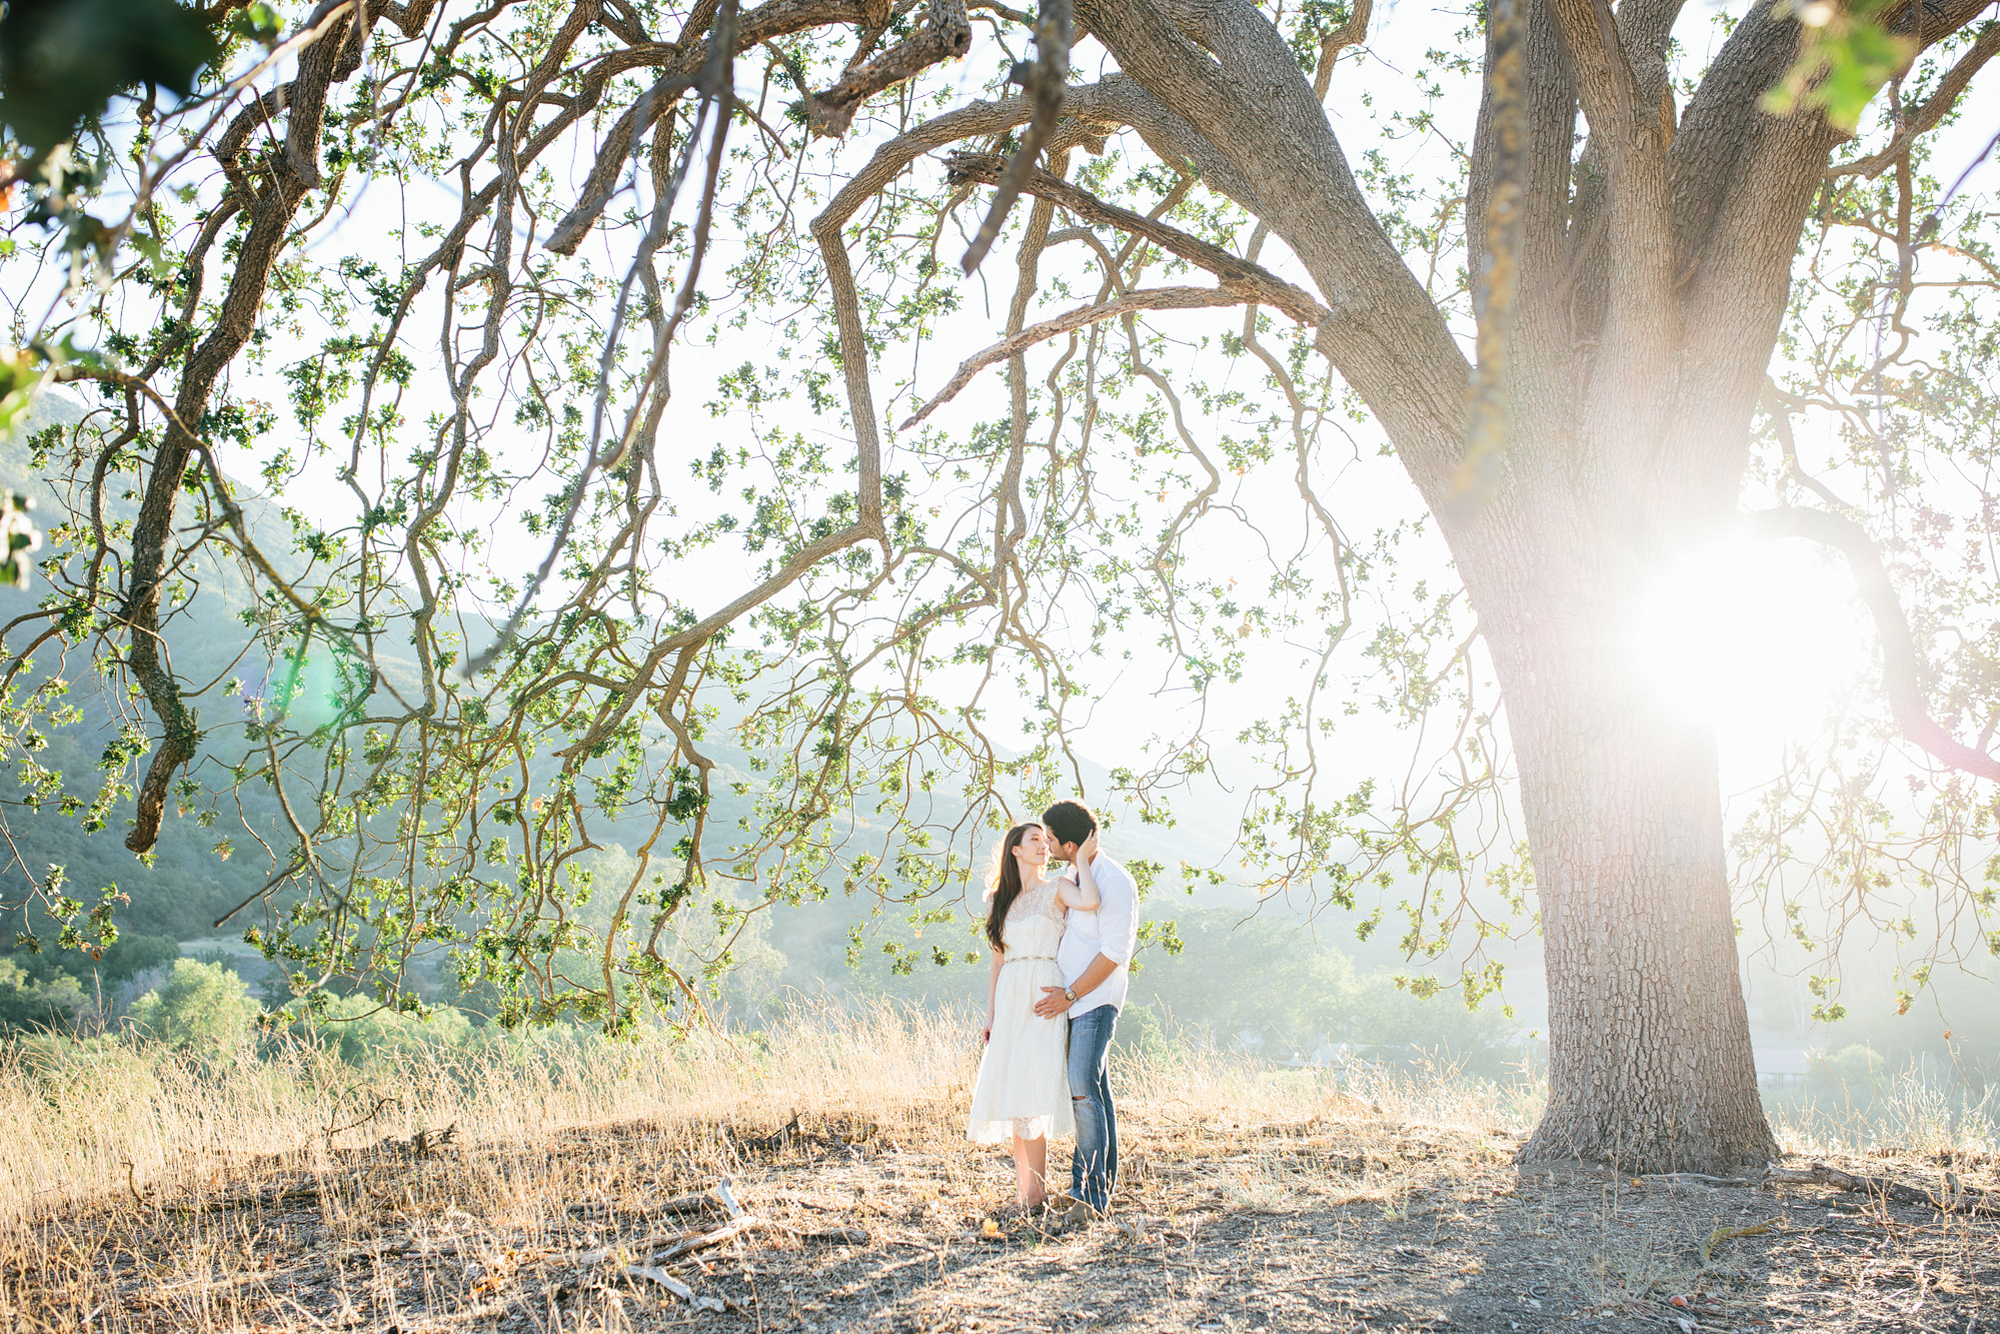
pixel 576 1187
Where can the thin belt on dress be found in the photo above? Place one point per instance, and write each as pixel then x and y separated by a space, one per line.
pixel 1026 958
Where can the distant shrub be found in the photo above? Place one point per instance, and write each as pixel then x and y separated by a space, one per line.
pixel 358 1029
pixel 31 1006
pixel 1141 1038
pixel 1859 1071
pixel 131 955
pixel 1306 998
pixel 202 1007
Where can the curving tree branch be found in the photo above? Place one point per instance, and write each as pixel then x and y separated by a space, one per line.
pixel 1154 298
pixel 1902 669
pixel 1927 115
pixel 1269 289
pixel 946 35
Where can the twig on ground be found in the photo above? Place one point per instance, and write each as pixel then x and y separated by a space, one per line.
pixel 375 1111
pixel 653 1274
pixel 837 1236
pixel 297 1193
pixel 1722 1234
pixel 379 1250
pixel 426 1142
pixel 132 1184
pixel 777 1140
pixel 638 1246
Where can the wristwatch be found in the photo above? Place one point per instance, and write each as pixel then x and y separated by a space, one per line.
pixel 1069 994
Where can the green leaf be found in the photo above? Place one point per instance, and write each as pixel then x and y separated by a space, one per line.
pixel 156 258
pixel 20 538
pixel 1844 58
pixel 62 61
pixel 259 23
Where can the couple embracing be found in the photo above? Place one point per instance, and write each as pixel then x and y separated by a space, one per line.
pixel 1061 946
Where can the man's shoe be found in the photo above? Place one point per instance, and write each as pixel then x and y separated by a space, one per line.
pixel 1067 1213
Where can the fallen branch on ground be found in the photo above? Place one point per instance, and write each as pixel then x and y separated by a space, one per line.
pixel 330 1131
pixel 793 1134
pixel 777 1140
pixel 661 1247
pixel 675 1244
pixel 426 1142
pixel 838 1236
pixel 381 1250
pixel 1722 1234
pixel 735 1227
pixel 1956 1199
pixel 295 1195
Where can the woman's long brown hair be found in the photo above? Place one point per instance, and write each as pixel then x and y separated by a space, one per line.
pixel 1006 883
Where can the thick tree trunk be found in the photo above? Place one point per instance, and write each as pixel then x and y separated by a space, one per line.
pixel 1649 1040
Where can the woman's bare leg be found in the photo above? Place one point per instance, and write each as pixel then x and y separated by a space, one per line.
pixel 1031 1170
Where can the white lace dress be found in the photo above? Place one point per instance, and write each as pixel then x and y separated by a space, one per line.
pixel 1023 1084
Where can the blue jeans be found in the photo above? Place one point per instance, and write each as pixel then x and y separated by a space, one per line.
pixel 1093 1168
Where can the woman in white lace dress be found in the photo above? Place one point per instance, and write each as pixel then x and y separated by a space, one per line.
pixel 1023 1089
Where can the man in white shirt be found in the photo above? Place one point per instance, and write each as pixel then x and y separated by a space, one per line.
pixel 1095 957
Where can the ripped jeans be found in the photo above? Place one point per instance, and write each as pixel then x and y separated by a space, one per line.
pixel 1093 1168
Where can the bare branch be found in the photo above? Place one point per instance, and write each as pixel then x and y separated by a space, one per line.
pixel 682 64
pixel 1151 298
pixel 1926 117
pixel 1385 335
pixel 1046 84
pixel 1351 33
pixel 1263 285
pixel 291 175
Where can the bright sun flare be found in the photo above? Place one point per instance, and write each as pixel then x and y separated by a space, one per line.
pixel 1760 637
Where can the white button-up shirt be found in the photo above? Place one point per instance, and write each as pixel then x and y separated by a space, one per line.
pixel 1112 930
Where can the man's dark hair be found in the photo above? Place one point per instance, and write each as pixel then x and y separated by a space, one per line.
pixel 1070 821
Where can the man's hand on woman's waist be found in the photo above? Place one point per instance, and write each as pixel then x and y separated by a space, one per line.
pixel 1056 1000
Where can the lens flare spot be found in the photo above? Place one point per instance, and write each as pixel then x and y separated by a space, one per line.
pixel 1764 639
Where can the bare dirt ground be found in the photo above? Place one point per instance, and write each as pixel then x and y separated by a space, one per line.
pixel 1343 1221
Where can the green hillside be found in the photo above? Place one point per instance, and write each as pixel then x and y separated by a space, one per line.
pixel 208 860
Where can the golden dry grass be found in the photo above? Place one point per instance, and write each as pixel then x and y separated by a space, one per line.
pixel 1249 1200
pixel 84 1112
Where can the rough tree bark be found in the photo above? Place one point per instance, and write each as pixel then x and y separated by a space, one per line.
pixel 1653 272
pixel 1649 1040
